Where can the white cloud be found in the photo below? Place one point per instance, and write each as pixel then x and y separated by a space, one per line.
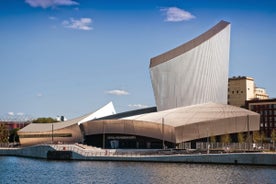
pixel 137 106
pixel 11 113
pixel 39 94
pixel 82 24
pixel 117 92
pixel 174 14
pixel 52 18
pixel 50 3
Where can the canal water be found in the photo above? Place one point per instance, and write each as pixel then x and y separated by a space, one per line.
pixel 17 170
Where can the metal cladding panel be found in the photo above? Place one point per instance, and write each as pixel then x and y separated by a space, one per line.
pixel 196 76
pixel 73 130
pixel 129 127
pixel 217 127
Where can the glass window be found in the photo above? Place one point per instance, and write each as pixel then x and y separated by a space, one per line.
pixel 262 124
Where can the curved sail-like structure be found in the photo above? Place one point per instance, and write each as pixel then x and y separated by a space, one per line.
pixel 195 72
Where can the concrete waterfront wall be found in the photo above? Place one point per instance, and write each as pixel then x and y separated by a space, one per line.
pixel 41 151
pixel 241 159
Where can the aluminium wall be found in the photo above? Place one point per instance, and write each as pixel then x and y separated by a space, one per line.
pixel 44 137
pixel 195 72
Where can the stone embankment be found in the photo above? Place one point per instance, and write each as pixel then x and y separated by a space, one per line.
pixel 82 152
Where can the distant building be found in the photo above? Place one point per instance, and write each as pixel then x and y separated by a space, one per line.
pixel 12 124
pixel 241 89
pixel 267 109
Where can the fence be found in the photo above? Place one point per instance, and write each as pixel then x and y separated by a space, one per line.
pixel 234 146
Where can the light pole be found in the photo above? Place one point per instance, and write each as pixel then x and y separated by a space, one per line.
pixel 103 136
pixel 163 141
pixel 248 134
pixel 208 145
pixel 52 133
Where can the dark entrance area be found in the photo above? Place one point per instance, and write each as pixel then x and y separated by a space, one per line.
pixel 120 141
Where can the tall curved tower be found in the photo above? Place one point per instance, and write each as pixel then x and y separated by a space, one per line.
pixel 195 72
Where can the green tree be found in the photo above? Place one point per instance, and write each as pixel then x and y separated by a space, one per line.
pixel 44 120
pixel 4 133
pixel 213 139
pixel 13 135
pixel 258 137
pixel 241 138
pixel 262 137
pixel 225 139
pixel 273 137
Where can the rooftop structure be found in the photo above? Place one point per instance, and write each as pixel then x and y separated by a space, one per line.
pixel 241 89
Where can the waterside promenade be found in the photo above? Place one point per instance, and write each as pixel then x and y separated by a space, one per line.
pixel 82 152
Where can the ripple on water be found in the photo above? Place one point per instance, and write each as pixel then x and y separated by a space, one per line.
pixel 22 170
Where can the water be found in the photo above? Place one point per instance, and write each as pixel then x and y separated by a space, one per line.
pixel 24 170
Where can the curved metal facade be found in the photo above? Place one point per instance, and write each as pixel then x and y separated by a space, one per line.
pixel 193 73
pixel 180 124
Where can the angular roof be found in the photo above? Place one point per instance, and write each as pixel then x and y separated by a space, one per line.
pixel 189 45
pixel 193 114
pixel 180 124
pixel 45 127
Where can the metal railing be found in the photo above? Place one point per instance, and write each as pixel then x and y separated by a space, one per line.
pixel 235 146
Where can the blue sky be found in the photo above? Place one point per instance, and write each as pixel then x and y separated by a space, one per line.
pixel 70 57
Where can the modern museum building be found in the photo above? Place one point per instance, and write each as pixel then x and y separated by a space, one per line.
pixel 190 85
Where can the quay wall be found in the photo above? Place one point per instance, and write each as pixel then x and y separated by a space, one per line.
pixel 41 151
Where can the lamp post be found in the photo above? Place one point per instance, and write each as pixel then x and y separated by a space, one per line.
pixel 208 144
pixel 163 141
pixel 248 133
pixel 52 133
pixel 103 135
